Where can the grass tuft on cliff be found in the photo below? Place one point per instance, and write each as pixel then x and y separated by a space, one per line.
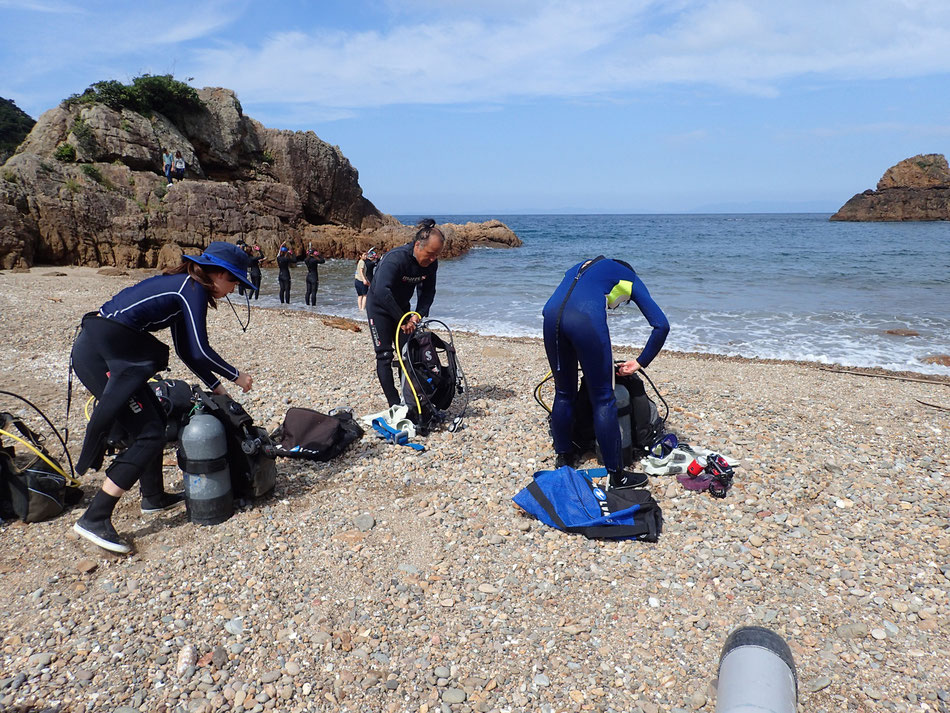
pixel 146 94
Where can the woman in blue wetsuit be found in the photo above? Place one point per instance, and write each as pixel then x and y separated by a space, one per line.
pixel 575 330
pixel 115 355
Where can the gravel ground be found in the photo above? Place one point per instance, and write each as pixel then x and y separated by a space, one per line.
pixel 391 581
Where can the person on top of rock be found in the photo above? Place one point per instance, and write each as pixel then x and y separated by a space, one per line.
pixel 178 168
pixel 409 268
pixel 313 261
pixel 167 161
pixel 114 356
pixel 575 330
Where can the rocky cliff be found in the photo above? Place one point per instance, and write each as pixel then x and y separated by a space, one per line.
pixel 917 188
pixel 86 188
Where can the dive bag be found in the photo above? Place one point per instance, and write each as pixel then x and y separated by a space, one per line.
pixel 32 485
pixel 568 500
pixel 316 436
pixel 430 377
pixel 251 452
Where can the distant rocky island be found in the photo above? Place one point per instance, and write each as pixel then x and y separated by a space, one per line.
pixel 86 187
pixel 917 188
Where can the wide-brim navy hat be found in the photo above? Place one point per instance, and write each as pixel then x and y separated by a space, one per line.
pixel 227 256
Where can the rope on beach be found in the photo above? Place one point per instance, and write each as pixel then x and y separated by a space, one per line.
pixel 939 408
pixel 884 376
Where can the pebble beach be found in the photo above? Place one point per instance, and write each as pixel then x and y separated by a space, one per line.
pixel 387 580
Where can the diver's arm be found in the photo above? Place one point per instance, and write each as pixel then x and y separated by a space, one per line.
pixel 191 340
pixel 426 292
pixel 381 292
pixel 661 325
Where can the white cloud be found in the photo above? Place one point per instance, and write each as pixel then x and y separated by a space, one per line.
pixel 574 49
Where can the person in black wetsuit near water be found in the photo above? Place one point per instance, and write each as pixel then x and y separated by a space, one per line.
pixel 313 261
pixel 256 257
pixel 409 268
pixel 285 261
pixel 114 355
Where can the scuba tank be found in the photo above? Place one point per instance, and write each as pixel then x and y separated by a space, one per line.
pixel 624 419
pixel 203 456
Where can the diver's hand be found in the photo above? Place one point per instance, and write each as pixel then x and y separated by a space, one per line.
pixel 628 367
pixel 245 381
pixel 410 326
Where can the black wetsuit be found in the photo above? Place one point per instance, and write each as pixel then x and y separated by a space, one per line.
pixel 313 278
pixel 114 356
pixel 395 278
pixel 284 262
pixel 254 272
pixel 369 267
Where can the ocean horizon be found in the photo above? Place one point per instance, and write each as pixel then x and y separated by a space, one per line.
pixel 789 286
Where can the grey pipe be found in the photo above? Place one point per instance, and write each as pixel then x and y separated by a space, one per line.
pixel 756 673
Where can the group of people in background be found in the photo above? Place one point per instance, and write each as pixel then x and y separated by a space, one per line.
pixel 173 166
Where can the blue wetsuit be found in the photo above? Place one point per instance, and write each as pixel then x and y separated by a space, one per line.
pixel 575 330
pixel 181 304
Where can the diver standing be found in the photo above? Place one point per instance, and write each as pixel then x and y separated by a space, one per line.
pixel 254 270
pixel 409 268
pixel 114 356
pixel 313 261
pixel 285 260
pixel 575 330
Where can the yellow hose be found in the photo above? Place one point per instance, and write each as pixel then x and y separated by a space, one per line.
pixel 403 366
pixel 537 391
pixel 85 409
pixel 43 456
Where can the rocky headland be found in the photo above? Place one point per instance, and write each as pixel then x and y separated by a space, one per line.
pixel 86 188
pixel 917 188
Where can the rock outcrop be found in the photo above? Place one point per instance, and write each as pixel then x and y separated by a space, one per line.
pixel 111 206
pixel 917 188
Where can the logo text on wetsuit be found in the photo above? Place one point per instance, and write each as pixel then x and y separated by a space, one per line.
pixel 407 278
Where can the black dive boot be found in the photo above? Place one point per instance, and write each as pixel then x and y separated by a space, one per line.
pixel 161 502
pixel 96 524
pixel 565 459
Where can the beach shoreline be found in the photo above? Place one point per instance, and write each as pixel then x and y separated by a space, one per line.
pixel 390 581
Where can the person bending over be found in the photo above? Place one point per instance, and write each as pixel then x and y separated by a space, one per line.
pixel 313 261
pixel 114 356
pixel 409 268
pixel 575 331
pixel 285 260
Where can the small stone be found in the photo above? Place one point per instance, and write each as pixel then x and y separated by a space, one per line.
pixel 697 700
pixel 86 566
pixel 819 684
pixel 234 626
pixel 270 676
pixel 879 634
pixel 487 589
pixel 852 631
pixel 542 680
pixel 219 657
pixel 442 672
pixel 292 668
pixel 364 523
pixel 453 695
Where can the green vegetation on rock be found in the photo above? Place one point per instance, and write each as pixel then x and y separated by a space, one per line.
pixel 65 153
pixel 15 124
pixel 146 94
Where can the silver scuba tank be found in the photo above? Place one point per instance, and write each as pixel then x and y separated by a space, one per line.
pixel 203 456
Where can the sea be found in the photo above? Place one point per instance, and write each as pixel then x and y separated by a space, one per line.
pixel 774 286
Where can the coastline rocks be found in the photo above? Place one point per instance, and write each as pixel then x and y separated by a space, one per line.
pixel 111 206
pixel 917 188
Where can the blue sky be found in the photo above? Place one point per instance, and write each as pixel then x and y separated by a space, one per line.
pixel 491 106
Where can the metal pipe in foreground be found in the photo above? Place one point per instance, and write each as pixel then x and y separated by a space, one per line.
pixel 756 673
